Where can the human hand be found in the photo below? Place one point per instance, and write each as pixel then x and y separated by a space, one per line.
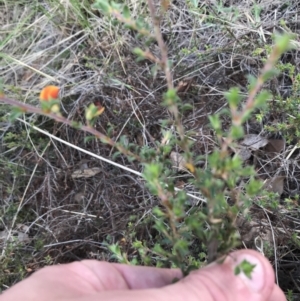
pixel 91 280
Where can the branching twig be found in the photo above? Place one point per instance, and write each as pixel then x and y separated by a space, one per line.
pixel 32 109
pixel 166 68
pixel 237 117
pixel 130 23
pixel 161 44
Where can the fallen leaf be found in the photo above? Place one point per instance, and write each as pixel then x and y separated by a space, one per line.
pixel 275 146
pixel 86 173
pixel 83 164
pixel 183 86
pixel 23 238
pixel 140 139
pixel 23 228
pixel 275 184
pixel 178 161
pixel 244 153
pixel 180 184
pixel 15 236
pixel 79 197
pixel 254 141
pixel 251 232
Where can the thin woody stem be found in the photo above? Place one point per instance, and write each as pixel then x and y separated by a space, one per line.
pixel 32 109
pixel 250 102
pixel 165 64
pixel 161 44
pixel 129 22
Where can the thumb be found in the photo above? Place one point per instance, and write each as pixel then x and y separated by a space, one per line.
pixel 217 282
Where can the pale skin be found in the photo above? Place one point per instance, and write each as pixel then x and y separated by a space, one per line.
pixel 91 280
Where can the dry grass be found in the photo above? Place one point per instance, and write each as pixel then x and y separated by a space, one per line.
pixel 68 44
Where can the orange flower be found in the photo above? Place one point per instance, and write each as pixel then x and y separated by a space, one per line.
pixel 49 92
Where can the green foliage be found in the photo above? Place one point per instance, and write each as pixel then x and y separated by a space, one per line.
pixel 290 295
pixel 92 112
pixel 15 113
pixel 289 106
pixel 14 255
pixel 12 264
pixel 102 5
pixel 117 253
pixel 262 98
pixel 233 97
pixel 245 267
pixel 214 223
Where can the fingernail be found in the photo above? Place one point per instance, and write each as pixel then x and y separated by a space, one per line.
pixel 257 280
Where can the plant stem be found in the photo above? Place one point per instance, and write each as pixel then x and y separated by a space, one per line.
pixel 32 109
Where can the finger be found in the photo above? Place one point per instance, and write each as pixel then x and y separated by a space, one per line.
pixel 218 281
pixel 277 295
pixel 215 282
pixel 119 276
pixel 138 277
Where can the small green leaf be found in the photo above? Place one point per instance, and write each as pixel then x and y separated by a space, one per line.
pixel 257 11
pixel 170 98
pixel 158 212
pixel 154 70
pixel 76 125
pixel 93 111
pixel 88 138
pixel 234 97
pixel 253 187
pixel 246 115
pixel 195 3
pixel 115 155
pixel 140 23
pixel 262 98
pixel 139 52
pixel 269 74
pixel 252 80
pixel 116 6
pixel 115 22
pixel 215 122
pixel 158 249
pixel 246 267
pixel 186 107
pixel 114 248
pixel 181 246
pixel 171 94
pixel 15 113
pixel 236 132
pixel 152 171
pixel 102 5
pixel 149 41
pixel 126 12
pixel 283 42
pixel 134 261
pixel 137 244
